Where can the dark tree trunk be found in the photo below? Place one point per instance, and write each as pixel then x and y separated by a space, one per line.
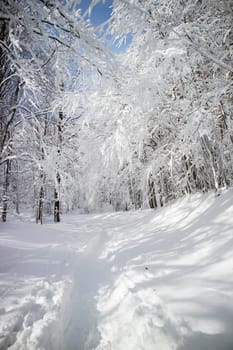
pixel 39 217
pixel 5 191
pixel 56 207
pixel 58 177
pixel 17 197
pixel 4 209
pixel 152 195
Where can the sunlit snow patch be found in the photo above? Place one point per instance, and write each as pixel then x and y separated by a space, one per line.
pixel 136 319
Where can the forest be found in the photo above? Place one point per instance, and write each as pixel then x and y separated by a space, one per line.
pixel 116 123
pixel 129 113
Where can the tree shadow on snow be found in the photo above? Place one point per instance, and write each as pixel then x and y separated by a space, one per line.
pixel 203 341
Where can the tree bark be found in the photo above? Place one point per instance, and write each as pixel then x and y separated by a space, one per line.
pixel 58 177
pixel 39 217
pixel 5 191
pixel 152 195
pixel 56 207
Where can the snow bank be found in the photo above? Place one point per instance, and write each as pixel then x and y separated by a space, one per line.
pixel 140 280
pixel 30 322
pixel 135 319
pixel 33 281
pixel 177 260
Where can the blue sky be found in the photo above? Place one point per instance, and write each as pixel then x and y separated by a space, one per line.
pixel 100 13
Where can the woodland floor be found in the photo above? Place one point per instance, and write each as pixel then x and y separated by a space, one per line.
pixel 115 281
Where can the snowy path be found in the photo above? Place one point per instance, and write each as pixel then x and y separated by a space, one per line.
pixel 81 316
pixel 136 281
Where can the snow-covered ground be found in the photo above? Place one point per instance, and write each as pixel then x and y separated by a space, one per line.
pixel 115 281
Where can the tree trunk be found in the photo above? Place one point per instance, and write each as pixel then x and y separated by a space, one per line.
pixel 39 217
pixel 17 197
pixel 5 191
pixel 56 207
pixel 58 177
pixel 152 195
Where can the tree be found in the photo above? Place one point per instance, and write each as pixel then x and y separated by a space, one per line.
pixel 168 120
pixel 34 34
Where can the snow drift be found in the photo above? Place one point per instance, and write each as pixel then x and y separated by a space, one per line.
pixel 135 280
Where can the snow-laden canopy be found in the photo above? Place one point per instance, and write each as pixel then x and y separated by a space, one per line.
pixel 82 126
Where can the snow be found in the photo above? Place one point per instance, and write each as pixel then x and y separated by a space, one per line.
pixel 114 281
